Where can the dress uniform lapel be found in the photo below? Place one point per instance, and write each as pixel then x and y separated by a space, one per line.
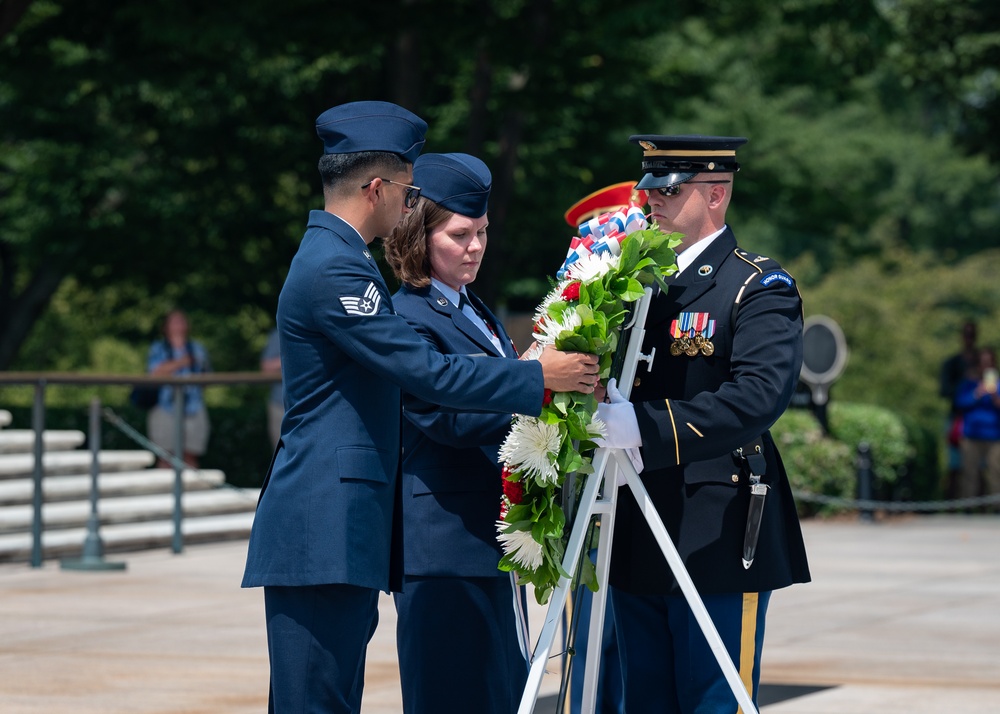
pixel 493 323
pixel 695 281
pixel 444 306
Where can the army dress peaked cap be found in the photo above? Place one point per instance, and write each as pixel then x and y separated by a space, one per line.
pixel 459 182
pixel 671 160
pixel 371 126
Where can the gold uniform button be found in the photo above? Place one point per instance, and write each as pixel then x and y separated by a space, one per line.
pixel 637 382
pixel 736 478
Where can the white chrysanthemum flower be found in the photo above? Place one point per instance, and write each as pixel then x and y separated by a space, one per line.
pixel 531 446
pixel 555 295
pixel 545 332
pixel 592 267
pixel 544 328
pixel 597 429
pixel 550 328
pixel 520 546
pixel 533 352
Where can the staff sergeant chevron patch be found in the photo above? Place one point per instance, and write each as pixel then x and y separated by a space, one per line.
pixel 365 305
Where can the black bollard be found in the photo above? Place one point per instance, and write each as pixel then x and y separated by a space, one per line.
pixel 863 463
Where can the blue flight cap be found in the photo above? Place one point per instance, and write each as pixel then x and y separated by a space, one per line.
pixel 458 182
pixel 371 126
pixel 670 160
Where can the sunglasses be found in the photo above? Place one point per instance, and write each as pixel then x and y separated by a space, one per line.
pixel 411 195
pixel 676 188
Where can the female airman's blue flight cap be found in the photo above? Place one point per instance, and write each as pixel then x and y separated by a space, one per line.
pixel 459 182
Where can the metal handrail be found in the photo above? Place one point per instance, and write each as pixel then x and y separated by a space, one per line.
pixel 41 380
pixel 85 378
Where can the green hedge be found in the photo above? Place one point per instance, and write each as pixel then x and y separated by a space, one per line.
pixel 904 456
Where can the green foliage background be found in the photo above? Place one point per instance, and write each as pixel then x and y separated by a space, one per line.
pixel 162 153
pixel 826 464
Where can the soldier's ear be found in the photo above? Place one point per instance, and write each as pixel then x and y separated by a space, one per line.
pixel 717 195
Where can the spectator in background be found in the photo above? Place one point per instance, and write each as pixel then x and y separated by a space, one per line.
pixel 979 403
pixel 954 371
pixel 174 355
pixel 270 363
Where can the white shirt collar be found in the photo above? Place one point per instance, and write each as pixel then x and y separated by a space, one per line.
pixel 691 253
pixel 449 292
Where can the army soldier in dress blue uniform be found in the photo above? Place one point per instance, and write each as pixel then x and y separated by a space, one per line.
pixel 728 340
pixel 456 630
pixel 327 535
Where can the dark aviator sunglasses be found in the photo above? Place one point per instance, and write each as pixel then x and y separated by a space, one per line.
pixel 676 188
pixel 411 195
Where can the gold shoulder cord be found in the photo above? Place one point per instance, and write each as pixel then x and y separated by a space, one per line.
pixel 739 295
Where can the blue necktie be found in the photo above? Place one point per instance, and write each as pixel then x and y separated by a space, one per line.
pixel 479 320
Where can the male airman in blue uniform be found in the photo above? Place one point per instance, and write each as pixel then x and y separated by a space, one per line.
pixel 728 340
pixel 327 534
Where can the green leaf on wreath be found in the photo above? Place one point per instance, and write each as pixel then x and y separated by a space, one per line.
pixel 633 290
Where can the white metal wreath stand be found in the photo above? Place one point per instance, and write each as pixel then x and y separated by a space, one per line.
pixel 606 462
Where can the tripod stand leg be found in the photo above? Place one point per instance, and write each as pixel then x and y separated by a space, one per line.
pixel 599 601
pixel 557 602
pixel 686 584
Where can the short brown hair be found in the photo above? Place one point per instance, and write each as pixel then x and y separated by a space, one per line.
pixel 406 246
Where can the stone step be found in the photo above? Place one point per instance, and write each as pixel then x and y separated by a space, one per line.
pixel 22 441
pixel 128 537
pixel 19 492
pixel 129 509
pixel 73 462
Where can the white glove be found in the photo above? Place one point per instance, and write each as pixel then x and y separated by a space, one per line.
pixel 619 419
pixel 624 431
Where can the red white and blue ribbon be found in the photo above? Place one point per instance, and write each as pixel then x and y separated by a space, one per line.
pixel 603 234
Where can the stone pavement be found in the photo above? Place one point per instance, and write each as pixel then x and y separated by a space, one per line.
pixel 902 616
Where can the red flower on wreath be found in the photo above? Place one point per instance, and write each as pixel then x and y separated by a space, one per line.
pixel 547 397
pixel 571 292
pixel 513 490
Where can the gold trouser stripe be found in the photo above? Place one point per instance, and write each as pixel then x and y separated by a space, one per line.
pixel 677 447
pixel 748 642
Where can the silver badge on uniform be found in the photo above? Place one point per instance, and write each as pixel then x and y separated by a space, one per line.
pixel 367 254
pixel 365 305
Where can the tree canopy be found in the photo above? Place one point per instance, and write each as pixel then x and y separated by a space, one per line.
pixel 163 152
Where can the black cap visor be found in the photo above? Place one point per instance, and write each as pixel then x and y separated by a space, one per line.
pixel 663 180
